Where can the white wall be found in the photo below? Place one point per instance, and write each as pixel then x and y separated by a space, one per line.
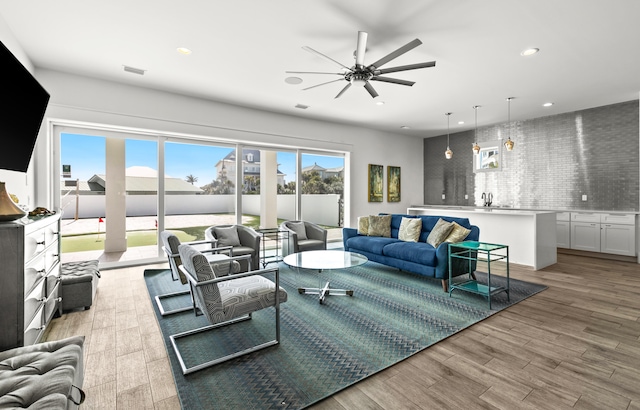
pixel 324 208
pixel 96 101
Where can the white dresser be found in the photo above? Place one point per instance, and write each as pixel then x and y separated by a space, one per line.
pixel 30 272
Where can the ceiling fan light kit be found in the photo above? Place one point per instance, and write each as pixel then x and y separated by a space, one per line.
pixel 361 75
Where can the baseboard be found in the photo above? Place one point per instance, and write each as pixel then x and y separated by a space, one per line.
pixel 598 255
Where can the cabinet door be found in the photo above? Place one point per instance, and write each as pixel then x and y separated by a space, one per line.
pixel 563 232
pixel 585 236
pixel 618 239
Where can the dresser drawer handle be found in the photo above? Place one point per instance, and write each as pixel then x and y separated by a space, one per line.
pixel 41 243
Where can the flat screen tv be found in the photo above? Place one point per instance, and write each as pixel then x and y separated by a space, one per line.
pixel 23 107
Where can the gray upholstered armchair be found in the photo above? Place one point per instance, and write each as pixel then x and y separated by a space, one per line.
pixel 303 236
pixel 225 300
pixel 242 239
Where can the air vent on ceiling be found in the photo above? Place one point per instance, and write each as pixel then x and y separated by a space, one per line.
pixel 302 106
pixel 134 70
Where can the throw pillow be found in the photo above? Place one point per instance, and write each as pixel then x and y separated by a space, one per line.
pixel 363 225
pixel 410 229
pixel 458 233
pixel 227 236
pixel 380 225
pixel 439 233
pixel 299 229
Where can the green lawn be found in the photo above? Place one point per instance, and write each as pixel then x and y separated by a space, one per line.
pixel 95 241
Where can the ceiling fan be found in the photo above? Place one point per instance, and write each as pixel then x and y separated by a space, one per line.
pixel 360 75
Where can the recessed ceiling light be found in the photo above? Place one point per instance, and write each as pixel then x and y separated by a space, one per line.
pixel 405 127
pixel 183 50
pixel 379 102
pixel 460 122
pixel 293 80
pixel 547 104
pixel 529 52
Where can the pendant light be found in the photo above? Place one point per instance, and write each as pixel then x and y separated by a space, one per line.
pixel 508 144
pixel 476 147
pixel 448 154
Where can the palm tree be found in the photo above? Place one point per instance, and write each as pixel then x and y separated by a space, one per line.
pixel 191 179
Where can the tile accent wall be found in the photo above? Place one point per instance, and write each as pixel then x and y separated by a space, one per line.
pixel 556 160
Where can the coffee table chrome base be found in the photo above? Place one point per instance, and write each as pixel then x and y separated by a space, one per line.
pixel 324 292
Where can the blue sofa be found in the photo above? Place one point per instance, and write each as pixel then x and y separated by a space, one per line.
pixel 417 257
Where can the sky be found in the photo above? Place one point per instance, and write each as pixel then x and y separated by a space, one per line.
pixel 86 155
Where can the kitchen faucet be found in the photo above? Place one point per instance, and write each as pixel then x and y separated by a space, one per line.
pixel 487 198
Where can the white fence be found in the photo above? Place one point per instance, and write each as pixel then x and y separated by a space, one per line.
pixel 322 209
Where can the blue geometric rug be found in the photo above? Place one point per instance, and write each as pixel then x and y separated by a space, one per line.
pixel 324 347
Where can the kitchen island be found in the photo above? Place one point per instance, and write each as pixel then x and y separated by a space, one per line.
pixel 530 235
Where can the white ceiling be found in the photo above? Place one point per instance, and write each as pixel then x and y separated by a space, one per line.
pixel 589 53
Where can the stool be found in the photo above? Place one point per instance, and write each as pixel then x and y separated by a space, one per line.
pixel 78 284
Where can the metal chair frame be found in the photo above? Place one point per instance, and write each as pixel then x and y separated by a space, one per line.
pixel 195 284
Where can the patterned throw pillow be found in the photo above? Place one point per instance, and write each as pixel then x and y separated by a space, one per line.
pixel 458 233
pixel 299 229
pixel 363 225
pixel 227 236
pixel 380 225
pixel 439 232
pixel 410 229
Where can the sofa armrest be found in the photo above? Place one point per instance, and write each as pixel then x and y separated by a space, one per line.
pixel 346 234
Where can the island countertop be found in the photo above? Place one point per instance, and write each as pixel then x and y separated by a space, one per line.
pixel 530 235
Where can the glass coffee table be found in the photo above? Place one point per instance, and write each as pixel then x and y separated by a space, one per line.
pixel 324 261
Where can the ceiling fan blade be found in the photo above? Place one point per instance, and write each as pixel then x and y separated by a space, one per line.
pixel 346 87
pixel 405 67
pixel 362 47
pixel 394 54
pixel 393 80
pixel 371 90
pixel 318 85
pixel 311 72
pixel 312 51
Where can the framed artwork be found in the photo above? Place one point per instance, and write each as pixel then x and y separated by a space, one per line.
pixel 393 184
pixel 488 159
pixel 376 177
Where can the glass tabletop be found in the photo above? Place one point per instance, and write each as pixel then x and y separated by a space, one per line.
pixel 481 246
pixel 325 259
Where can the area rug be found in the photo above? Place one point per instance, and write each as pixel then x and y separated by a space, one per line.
pixel 324 347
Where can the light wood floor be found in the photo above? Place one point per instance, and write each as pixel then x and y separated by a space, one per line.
pixel 575 345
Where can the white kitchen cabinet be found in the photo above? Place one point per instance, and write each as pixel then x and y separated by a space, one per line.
pixel 585 236
pixel 563 230
pixel 604 233
pixel 618 234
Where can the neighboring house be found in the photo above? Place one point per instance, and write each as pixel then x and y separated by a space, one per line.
pixel 324 172
pixel 250 166
pixel 138 181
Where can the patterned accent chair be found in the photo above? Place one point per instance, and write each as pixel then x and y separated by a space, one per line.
pixel 170 246
pixel 226 300
pixel 243 240
pixel 303 236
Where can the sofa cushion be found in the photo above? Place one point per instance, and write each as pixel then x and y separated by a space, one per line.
pixel 439 233
pixel 227 236
pixel 380 225
pixel 363 225
pixel 410 229
pixel 299 229
pixel 458 233
pixel 371 244
pixel 418 252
